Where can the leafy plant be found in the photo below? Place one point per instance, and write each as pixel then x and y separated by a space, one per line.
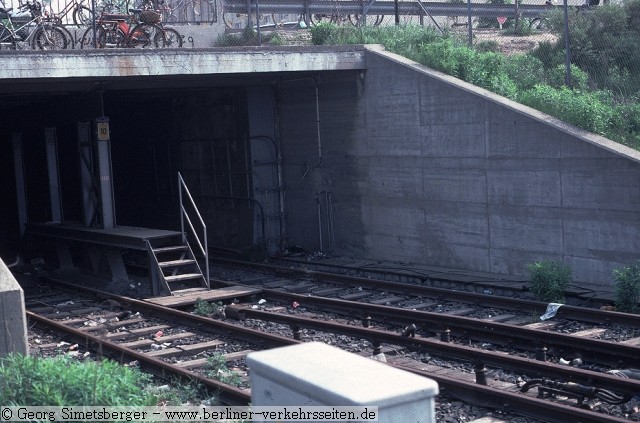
pixel 549 280
pixel 627 288
pixel 218 370
pixel 205 308
pixel 320 33
pixel 62 381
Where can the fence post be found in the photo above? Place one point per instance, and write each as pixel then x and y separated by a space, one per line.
pixel 567 46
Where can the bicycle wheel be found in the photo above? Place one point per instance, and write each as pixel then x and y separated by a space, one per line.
pixel 71 39
pixel 190 12
pixel 170 38
pixel 319 18
pixel 49 38
pixel 82 16
pixel 144 35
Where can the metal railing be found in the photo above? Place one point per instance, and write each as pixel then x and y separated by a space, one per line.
pixel 184 216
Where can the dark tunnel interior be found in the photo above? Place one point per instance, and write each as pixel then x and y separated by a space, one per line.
pixel 154 135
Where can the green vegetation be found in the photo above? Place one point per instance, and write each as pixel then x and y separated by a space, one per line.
pixel 604 96
pixel 205 308
pixel 549 280
pixel 627 288
pixel 218 370
pixel 62 381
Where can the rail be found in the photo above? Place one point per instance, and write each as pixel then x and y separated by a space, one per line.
pixel 184 216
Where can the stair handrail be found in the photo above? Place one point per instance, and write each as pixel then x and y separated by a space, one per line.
pixel 184 215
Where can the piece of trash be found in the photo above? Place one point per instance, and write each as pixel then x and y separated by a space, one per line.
pixel 295 304
pixel 115 319
pixel 156 347
pixel 73 353
pixel 91 323
pixel 262 301
pixel 158 334
pixel 37 341
pixel 410 331
pixel 379 357
pixel 487 292
pixel 133 363
pixel 166 344
pixel 254 307
pixel 552 309
pixel 86 354
pixel 132 286
pixel 66 303
pixel 62 344
pixel 574 362
pixel 73 347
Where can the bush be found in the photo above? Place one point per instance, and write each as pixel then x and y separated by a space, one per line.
pixel 555 77
pixel 627 288
pixel 61 381
pixel 549 280
pixel 321 33
pixel 585 110
pixel 524 70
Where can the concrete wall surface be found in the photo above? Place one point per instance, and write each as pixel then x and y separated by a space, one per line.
pixel 421 167
pixel 13 330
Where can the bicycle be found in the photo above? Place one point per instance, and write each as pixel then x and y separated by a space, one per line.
pixel 139 29
pixel 80 13
pixel 188 11
pixel 28 28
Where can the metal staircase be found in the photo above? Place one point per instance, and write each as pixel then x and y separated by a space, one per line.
pixel 175 269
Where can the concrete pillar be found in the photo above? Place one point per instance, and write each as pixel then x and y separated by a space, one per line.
pixel 54 175
pixel 313 374
pixel 21 189
pixel 105 173
pixel 89 197
pixel 13 330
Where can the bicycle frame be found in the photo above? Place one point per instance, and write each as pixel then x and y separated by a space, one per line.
pixel 12 36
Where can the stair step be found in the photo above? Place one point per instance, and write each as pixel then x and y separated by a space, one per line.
pixel 170 249
pixel 176 263
pixel 188 291
pixel 183 277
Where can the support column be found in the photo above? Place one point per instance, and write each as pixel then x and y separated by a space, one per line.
pixel 54 174
pixel 21 187
pixel 105 172
pixel 89 195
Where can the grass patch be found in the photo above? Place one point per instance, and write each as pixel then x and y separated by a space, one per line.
pixel 627 288
pixel 549 280
pixel 62 381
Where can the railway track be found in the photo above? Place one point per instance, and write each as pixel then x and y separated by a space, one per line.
pixel 503 395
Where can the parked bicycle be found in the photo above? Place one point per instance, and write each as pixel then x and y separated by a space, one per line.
pixel 187 11
pixel 74 10
pixel 138 29
pixel 26 27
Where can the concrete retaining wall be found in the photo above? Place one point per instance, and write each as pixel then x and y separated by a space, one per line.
pixel 428 169
pixel 13 327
